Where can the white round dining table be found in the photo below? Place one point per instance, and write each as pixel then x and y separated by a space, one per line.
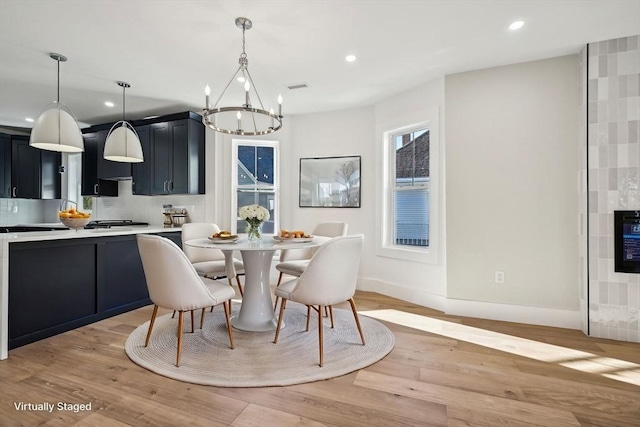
pixel 256 311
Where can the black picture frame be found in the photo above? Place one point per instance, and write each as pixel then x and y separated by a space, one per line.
pixel 329 182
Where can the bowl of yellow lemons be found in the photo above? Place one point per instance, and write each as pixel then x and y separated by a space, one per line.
pixel 73 218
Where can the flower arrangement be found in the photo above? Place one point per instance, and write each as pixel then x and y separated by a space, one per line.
pixel 255 215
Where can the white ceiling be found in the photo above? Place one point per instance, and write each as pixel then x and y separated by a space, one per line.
pixel 169 50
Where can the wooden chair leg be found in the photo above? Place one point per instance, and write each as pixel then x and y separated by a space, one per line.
pixel 202 318
pixel 240 286
pixel 227 308
pixel 275 306
pixel 228 280
pixel 331 315
pixel 320 337
pixel 355 315
pixel 192 323
pixel 308 316
pixel 179 351
pixel 153 320
pixel 282 305
pixel 174 314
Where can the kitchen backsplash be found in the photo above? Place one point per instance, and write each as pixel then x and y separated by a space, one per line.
pixel 145 208
pixel 27 211
pixel 125 206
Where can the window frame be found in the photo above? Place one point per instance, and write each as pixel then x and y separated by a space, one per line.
pixel 233 213
pixel 386 246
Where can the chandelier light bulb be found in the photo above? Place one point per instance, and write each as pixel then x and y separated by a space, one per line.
pixel 207 92
pixel 280 105
pixel 247 86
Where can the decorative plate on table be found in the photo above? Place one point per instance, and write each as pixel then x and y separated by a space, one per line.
pixel 293 239
pixel 231 239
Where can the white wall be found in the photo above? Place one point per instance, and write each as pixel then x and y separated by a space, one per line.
pixel 512 202
pixel 360 132
pixel 337 133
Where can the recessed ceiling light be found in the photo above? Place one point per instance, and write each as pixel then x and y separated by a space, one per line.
pixel 350 58
pixel 516 25
pixel 29 119
pixel 109 104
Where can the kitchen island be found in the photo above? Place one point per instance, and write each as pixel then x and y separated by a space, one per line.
pixel 55 281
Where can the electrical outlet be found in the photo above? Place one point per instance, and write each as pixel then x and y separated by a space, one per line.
pixel 499 276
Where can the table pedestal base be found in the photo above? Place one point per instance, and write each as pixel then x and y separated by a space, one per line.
pixel 256 312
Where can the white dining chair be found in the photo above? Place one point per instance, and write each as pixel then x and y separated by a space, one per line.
pixel 330 278
pixel 294 261
pixel 210 263
pixel 174 283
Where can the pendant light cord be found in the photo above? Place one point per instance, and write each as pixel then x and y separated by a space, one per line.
pixel 58 61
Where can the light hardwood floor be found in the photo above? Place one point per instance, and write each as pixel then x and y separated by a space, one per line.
pixel 443 371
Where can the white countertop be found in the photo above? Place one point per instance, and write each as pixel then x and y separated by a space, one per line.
pixel 31 236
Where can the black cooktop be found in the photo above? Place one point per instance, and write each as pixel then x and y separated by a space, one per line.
pixel 108 223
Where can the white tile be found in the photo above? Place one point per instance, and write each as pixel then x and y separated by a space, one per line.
pixel 633 108
pixel 621 113
pixel 629 62
pixel 634 155
pixel 603 157
pixel 594 155
pixel 601 131
pixel 603 89
pixel 603 180
pixel 623 151
pixel 593 67
pixel 603 111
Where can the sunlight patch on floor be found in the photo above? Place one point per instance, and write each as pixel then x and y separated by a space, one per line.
pixel 616 369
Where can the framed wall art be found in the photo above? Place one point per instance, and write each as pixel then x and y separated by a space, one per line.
pixel 330 182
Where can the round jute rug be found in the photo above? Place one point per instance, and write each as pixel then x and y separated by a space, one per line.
pixel 257 362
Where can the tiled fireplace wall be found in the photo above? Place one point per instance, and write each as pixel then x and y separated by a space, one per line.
pixel 613 149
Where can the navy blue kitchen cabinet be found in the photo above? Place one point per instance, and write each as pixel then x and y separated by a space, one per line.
pixel 5 165
pixel 100 176
pixel 77 282
pixel 174 154
pixel 34 173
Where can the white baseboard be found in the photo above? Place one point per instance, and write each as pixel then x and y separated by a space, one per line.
pixel 413 295
pixel 483 310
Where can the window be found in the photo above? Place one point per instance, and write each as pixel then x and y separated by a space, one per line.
pixel 74 183
pixel 410 187
pixel 408 182
pixel 255 180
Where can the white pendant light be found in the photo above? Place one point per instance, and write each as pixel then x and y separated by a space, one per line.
pixel 56 128
pixel 123 143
